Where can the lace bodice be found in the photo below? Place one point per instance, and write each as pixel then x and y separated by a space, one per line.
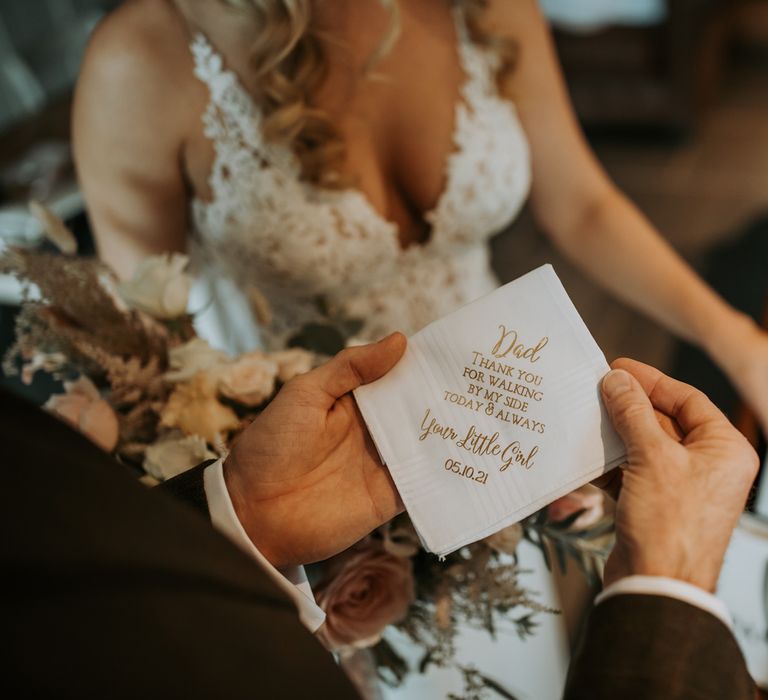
pixel 312 253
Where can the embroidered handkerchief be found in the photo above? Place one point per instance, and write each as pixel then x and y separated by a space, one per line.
pixel 493 412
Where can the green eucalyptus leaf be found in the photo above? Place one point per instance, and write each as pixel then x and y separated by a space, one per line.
pixel 426 661
pixel 562 556
pixel 566 523
pixel 392 668
pixel 493 685
pixel 600 529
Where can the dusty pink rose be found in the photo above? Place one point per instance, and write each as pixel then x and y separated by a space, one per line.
pixel 84 409
pixel 367 590
pixel 587 498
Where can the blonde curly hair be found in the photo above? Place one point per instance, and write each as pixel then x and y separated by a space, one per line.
pixel 289 64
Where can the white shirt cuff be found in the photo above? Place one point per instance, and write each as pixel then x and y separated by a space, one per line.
pixel 292 582
pixel 671 588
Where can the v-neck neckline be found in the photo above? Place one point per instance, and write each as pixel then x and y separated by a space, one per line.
pixel 430 217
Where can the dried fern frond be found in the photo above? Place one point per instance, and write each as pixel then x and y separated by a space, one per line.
pixel 83 306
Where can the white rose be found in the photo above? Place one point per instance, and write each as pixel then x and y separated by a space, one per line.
pixel 159 286
pixel 291 363
pixel 172 455
pixel 193 357
pixel 250 380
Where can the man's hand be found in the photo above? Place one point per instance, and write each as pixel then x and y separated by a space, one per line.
pixel 687 481
pixel 304 477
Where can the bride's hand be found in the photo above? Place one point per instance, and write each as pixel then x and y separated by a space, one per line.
pixel 304 477
pixel 746 363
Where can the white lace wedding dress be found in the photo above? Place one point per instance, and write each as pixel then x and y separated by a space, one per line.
pixel 309 251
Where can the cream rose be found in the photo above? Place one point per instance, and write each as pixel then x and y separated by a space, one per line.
pixel 291 363
pixel 250 380
pixel 195 356
pixel 365 592
pixel 173 455
pixel 194 409
pixel 587 498
pixel 159 287
pixel 505 541
pixel 84 409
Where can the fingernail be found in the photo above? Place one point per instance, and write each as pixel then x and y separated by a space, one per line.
pixel 616 382
pixel 389 337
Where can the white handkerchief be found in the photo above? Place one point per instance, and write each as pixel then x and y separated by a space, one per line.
pixel 493 412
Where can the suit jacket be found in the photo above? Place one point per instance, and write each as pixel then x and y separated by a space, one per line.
pixel 113 590
pixel 116 591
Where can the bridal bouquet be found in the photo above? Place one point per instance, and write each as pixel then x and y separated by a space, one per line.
pixel 137 380
pixel 141 385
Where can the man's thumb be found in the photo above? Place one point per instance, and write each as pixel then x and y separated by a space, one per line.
pixel 360 365
pixel 630 410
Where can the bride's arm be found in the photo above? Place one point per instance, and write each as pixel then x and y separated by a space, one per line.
pixel 598 228
pixel 128 141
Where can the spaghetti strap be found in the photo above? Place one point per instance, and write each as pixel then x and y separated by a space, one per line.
pixel 231 115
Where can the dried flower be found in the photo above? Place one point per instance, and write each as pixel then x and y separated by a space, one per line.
pixel 159 287
pixel 172 455
pixel 55 229
pixel 84 409
pixel 250 381
pixel 194 409
pixel 291 363
pixel 587 498
pixel 41 361
pixel 78 310
pixel 505 541
pixel 193 357
pixel 443 609
pixel 260 306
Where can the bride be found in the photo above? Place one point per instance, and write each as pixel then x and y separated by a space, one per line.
pixel 349 159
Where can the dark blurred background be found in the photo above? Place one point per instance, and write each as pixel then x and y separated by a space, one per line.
pixel 673 95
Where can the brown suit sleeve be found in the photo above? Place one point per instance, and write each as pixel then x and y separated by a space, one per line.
pixel 190 488
pixel 113 590
pixel 646 647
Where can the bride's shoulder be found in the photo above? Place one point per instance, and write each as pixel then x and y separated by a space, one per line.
pixel 137 75
pixel 511 18
pixel 143 44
